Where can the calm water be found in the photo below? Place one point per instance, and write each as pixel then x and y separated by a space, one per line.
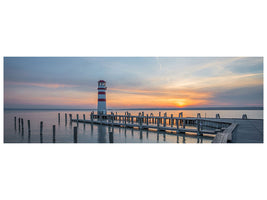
pixel 88 133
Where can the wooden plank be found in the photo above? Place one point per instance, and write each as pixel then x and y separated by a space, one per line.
pixel 226 135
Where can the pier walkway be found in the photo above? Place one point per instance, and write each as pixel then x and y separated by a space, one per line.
pixel 223 130
pixel 248 131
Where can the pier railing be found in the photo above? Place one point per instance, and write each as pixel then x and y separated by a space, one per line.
pixel 171 124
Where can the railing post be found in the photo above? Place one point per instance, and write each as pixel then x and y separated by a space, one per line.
pixel 112 119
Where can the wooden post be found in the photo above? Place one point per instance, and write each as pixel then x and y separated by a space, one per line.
pixel 112 119
pixel 164 123
pixel 183 123
pixel 15 123
pixel 84 117
pixel 177 126
pixel 132 119
pixel 66 118
pixel 22 125
pixel 29 131
pixel 110 137
pixel 19 124
pixel 75 134
pixel 29 127
pixel 77 118
pixel 171 120
pixel 58 117
pixel 198 128
pixel 54 133
pixel 92 117
pixel 147 120
pixel 71 118
pixel 119 119
pixel 41 132
pixel 141 123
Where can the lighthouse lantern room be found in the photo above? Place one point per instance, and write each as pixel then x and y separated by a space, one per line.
pixel 101 106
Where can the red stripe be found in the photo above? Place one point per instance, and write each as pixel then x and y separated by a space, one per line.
pixel 101 88
pixel 101 99
pixel 101 92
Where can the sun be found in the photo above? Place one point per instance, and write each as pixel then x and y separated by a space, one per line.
pixel 181 102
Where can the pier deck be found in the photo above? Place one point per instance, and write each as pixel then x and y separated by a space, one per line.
pixel 248 131
pixel 223 130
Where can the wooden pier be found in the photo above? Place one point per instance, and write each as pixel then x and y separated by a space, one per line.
pixel 214 127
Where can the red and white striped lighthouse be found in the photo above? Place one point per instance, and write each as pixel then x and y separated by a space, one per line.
pixel 101 106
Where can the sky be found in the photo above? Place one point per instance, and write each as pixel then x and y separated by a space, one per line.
pixel 133 82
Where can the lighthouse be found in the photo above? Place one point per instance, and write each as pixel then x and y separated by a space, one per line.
pixel 101 106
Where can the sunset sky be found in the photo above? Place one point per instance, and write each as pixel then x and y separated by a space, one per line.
pixel 133 82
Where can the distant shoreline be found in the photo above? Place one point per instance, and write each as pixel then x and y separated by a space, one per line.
pixel 204 108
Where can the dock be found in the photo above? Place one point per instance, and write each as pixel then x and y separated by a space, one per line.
pixel 222 130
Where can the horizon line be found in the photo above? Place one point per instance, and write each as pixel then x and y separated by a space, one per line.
pixel 185 108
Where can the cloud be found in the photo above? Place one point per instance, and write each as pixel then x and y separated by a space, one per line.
pixel 131 81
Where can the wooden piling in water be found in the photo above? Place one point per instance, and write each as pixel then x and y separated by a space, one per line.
pixel 22 126
pixel 29 126
pixel 75 134
pixel 70 118
pixel 41 128
pixel 41 132
pixel 66 118
pixel 19 124
pixel 58 117
pixel 83 116
pixel 15 123
pixel 112 119
pixel 111 137
pixel 54 133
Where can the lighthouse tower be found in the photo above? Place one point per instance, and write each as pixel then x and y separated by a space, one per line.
pixel 101 106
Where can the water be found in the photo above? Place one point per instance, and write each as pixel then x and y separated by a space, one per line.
pixel 88 133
